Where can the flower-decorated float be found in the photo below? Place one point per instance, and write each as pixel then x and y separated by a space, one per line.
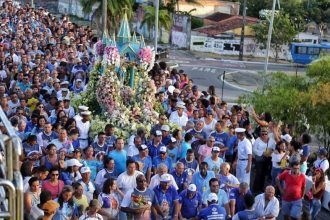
pixel 120 91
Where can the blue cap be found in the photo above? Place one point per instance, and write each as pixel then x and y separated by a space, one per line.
pixel 323 151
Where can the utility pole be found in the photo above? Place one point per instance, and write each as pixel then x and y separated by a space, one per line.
pixel 241 46
pixel 156 24
pixel 104 15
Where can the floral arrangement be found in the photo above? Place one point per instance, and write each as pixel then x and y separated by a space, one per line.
pixel 99 48
pixel 110 97
pixel 111 56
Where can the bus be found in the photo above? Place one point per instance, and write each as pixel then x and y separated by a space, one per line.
pixel 305 53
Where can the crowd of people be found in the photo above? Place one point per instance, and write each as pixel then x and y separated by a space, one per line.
pixel 203 170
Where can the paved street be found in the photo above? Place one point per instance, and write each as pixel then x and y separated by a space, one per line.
pixel 241 76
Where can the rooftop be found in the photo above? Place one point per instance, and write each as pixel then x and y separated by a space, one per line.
pixel 219 23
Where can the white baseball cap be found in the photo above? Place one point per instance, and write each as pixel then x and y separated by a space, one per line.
pixel 73 162
pixel 286 138
pixel 216 149
pixel 212 197
pixel 158 133
pixel 165 128
pixel 143 147
pixel 85 170
pixel 240 130
pixel 173 140
pixel 163 149
pixel 165 178
pixel 192 188
pixel 170 89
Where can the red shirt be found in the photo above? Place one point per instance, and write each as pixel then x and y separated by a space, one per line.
pixel 293 185
pixel 55 190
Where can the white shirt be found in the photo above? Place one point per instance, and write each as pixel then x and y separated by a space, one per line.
pixel 87 217
pixel 259 147
pixel 132 151
pixel 69 111
pixel 179 120
pixel 99 179
pixel 323 164
pixel 244 149
pixel 89 189
pixel 126 182
pixel 276 158
pixel 155 180
pixel 273 206
pixel 83 128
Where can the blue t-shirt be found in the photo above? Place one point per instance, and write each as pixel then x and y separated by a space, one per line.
pixel 120 158
pixel 231 144
pixel 173 154
pixel 247 215
pixel 184 148
pixel 189 206
pixel 166 200
pixel 214 211
pixel 189 166
pixel 239 205
pixel 201 183
pixel 166 140
pixel 157 160
pixel 94 165
pixel 180 180
pixel 214 165
pixel 221 138
pixel 222 197
pixel 154 150
pixel 144 164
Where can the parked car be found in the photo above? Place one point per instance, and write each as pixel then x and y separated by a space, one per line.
pixel 162 52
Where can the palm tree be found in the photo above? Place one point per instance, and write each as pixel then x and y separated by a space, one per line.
pixel 164 17
pixel 116 9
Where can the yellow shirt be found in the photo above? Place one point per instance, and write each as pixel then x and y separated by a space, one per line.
pixel 83 201
pixel 32 103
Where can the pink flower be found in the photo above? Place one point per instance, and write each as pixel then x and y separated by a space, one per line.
pixel 145 55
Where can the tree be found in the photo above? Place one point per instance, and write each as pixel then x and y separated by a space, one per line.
pixel 164 17
pixel 283 32
pixel 301 101
pixel 115 10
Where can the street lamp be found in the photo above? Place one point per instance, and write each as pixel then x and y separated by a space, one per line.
pixel 269 38
pixel 156 24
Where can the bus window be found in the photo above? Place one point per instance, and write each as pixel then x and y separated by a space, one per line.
pixel 301 50
pixel 325 50
pixel 313 51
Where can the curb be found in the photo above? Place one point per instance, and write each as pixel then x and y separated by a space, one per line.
pixel 233 85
